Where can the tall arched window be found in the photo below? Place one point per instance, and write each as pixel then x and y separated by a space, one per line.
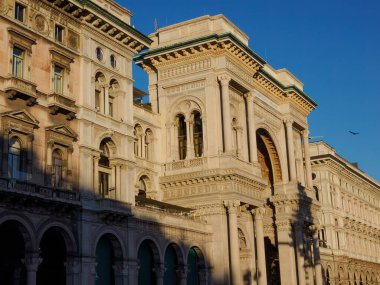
pixel 16 159
pixel 57 168
pixel 104 169
pixel 112 94
pixel 198 134
pixel 182 136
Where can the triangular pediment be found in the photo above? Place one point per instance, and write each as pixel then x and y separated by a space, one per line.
pixel 22 115
pixel 63 130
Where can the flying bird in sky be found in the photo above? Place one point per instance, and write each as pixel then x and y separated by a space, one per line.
pixel 353 133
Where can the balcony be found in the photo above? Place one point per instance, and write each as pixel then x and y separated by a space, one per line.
pixel 62 104
pixel 17 192
pixel 196 163
pixel 17 87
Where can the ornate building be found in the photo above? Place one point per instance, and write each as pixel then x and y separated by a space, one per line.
pixel 211 182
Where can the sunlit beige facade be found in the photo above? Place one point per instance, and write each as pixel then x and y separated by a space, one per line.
pixel 209 178
pixel 350 220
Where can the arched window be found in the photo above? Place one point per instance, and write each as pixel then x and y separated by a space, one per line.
pixel 182 136
pixel 142 188
pixel 57 178
pixel 104 169
pixel 112 94
pixel 198 134
pixel 16 159
pixel 138 132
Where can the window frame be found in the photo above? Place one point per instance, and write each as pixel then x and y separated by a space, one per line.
pixel 18 71
pixel 59 37
pixel 58 77
pixel 17 15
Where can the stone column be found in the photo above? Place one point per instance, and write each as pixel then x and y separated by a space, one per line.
pixel 175 144
pixel 227 130
pixel 290 143
pixel 143 145
pixel 121 273
pixel 288 271
pixel 232 207
pixel 300 252
pixel 118 182
pixel 189 139
pixel 258 214
pixel 203 277
pixel 317 257
pixel 133 272
pixel 182 274
pixel 32 261
pixel 72 271
pixel 96 174
pixel 252 128
pixel 238 141
pixel 309 179
pixel 29 163
pixel 106 101
pixel 159 271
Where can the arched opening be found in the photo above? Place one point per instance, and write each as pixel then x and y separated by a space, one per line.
pixel 171 266
pixel 146 259
pixel 328 282
pixel 104 169
pixel 182 136
pixel 268 158
pixel 53 252
pixel 100 81
pixel 105 260
pixel 57 168
pixel 316 192
pixel 16 159
pixel 12 252
pixel 198 134
pixel 142 186
pixel 272 261
pixel 195 263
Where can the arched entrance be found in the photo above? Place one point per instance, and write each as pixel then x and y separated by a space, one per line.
pixel 171 266
pixel 108 253
pixel 12 251
pixel 195 263
pixel 268 158
pixel 53 252
pixel 147 258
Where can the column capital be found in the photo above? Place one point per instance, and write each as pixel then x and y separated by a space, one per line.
pixel 250 96
pixel 231 205
pixel 288 122
pixel 258 213
pixel 32 261
pixel 182 272
pixel 224 79
pixel 121 268
pixel 305 133
pixel 160 271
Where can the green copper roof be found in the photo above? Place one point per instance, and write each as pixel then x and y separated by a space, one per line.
pixel 114 19
pixel 185 44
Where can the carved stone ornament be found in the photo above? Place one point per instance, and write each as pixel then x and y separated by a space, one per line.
pixel 73 40
pixel 41 25
pixel 4 7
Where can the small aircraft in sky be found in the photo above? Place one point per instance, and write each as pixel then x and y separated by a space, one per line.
pixel 353 133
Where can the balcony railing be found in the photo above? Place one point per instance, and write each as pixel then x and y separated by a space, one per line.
pixel 34 190
pixel 181 164
pixel 17 87
pixel 59 103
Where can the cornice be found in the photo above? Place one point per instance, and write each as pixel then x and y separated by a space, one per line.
pixel 91 14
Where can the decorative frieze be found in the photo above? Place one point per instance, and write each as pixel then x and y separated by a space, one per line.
pixel 184 87
pixel 185 69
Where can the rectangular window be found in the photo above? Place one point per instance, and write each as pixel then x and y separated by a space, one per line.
pixel 58 33
pixel 58 79
pixel 19 12
pixel 17 62
pixel 103 184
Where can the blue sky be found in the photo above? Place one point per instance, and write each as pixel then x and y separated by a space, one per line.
pixel 333 47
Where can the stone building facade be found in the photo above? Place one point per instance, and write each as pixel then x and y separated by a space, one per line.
pixel 211 182
pixel 350 220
